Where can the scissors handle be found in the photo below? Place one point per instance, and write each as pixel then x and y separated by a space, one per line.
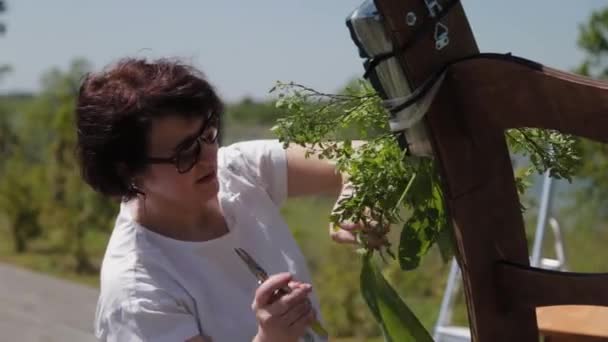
pixel 262 276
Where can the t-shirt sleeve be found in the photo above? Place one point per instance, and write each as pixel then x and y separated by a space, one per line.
pixel 266 161
pixel 144 319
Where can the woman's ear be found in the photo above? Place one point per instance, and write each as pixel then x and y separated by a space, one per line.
pixel 133 181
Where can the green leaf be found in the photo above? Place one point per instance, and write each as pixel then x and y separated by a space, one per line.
pixel 427 222
pixel 445 242
pixel 397 322
pixel 445 237
pixel 410 245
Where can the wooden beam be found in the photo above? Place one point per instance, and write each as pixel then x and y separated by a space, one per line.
pixel 475 167
pixel 521 286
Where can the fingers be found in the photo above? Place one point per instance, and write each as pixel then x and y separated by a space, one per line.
pixel 287 302
pixel 346 234
pixel 345 231
pixel 294 283
pixel 283 317
pixel 289 315
pixel 265 292
pixel 341 235
pixel 372 231
pixel 292 316
pixel 350 226
pixel 302 323
pixel 374 241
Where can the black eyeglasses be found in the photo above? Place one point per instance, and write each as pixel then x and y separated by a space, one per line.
pixel 185 158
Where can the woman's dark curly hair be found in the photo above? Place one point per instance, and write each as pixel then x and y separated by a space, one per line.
pixel 114 111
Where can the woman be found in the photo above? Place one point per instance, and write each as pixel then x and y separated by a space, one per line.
pixel 147 134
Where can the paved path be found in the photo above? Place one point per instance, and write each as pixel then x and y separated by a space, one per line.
pixel 38 308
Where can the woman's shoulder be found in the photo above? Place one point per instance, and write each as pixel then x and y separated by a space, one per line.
pixel 134 269
pixel 236 165
pixel 263 163
pixel 136 291
pixel 256 160
pixel 252 146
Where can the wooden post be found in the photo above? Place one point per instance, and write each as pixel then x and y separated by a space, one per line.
pixel 476 169
pixel 478 100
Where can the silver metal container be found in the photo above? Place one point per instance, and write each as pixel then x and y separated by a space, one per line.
pixel 387 77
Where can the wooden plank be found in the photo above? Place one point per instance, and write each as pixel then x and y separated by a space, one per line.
pixel 487 222
pixel 508 94
pixel 530 287
pixel 572 338
pixel 574 322
pixel 477 175
pixel 477 101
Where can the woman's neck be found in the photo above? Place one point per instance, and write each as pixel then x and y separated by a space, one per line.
pixel 201 223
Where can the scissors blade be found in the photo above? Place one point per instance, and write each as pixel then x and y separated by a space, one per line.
pixel 253 266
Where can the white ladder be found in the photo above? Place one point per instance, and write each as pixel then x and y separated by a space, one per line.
pixel 444 331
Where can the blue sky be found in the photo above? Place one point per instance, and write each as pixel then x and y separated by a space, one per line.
pixel 244 46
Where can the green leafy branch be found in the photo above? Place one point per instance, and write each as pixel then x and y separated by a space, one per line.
pixel 547 150
pixel 387 182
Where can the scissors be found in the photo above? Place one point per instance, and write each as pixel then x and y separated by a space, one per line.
pixel 261 276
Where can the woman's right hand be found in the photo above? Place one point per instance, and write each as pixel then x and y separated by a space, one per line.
pixel 283 319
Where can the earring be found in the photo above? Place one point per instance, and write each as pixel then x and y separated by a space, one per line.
pixel 134 188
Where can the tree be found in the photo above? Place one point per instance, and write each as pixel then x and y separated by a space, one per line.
pixel 593 40
pixel 2 9
pixel 15 202
pixel 4 69
pixel 70 205
pixel 18 200
pixel 20 179
pixel 41 191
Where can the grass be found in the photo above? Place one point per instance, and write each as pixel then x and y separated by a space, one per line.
pixel 53 266
pixel 421 289
pixel 308 219
pixel 45 256
pixel 335 268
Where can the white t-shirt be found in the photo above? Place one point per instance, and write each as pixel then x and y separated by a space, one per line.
pixel 154 288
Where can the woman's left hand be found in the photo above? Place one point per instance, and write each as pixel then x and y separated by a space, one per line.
pixel 345 232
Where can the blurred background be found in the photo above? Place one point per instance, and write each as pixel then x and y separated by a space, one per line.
pixel 51 223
